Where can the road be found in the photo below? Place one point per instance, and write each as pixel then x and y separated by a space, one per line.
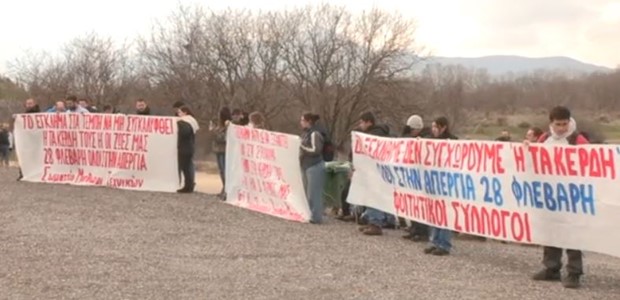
pixel 69 242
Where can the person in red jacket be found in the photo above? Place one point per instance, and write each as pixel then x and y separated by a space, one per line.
pixel 562 131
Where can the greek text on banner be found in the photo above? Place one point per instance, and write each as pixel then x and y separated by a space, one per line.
pixel 119 151
pixel 262 173
pixel 554 195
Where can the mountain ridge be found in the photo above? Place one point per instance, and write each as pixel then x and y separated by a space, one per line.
pixel 505 64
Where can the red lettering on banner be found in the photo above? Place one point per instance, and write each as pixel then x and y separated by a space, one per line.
pixel 413 152
pixel 519 157
pixel 158 125
pixel 263 185
pixel 27 121
pixel 597 162
pixel 491 222
pixel 267 206
pixel 421 208
pixel 471 156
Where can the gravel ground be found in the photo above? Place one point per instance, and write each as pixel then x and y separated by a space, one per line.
pixel 94 243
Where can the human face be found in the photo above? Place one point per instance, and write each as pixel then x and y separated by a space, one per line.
pixel 83 104
pixel 437 129
pixel 30 104
pixel 70 104
pixel 140 106
pixel 180 113
pixel 60 106
pixel 560 127
pixel 364 125
pixel 531 136
pixel 304 124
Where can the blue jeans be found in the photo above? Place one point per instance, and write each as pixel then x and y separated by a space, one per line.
pixel 221 165
pixel 314 183
pixel 378 218
pixel 441 238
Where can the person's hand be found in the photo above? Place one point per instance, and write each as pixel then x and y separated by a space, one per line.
pixel 526 142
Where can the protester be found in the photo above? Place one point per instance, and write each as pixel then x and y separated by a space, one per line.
pixel 142 108
pixel 441 239
pixel 237 116
pixel 257 120
pixel 562 131
pixel 312 165
pixel 59 107
pixel 533 134
pixel 5 145
pixel 187 128
pixel 219 144
pixel 31 106
pixel 109 109
pixel 415 129
pixel 376 218
pixel 85 103
pixel 71 105
pixel 175 108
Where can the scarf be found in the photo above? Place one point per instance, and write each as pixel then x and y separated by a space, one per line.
pixel 191 121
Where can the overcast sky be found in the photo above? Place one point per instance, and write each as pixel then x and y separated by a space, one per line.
pixel 588 30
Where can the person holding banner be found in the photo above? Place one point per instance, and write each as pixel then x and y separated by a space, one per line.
pixel 219 145
pixel 440 238
pixel 187 127
pixel 563 131
pixel 312 165
pixel 415 129
pixel 376 219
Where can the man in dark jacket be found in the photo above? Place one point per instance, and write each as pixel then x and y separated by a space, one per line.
pixel 376 218
pixel 187 127
pixel 142 108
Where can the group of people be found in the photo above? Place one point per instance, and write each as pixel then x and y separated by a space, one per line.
pixel 562 130
pixel 313 156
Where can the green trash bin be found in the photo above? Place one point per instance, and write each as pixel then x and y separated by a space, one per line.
pixel 337 175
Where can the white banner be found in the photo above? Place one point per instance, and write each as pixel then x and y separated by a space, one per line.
pixel 263 173
pixel 561 196
pixel 119 151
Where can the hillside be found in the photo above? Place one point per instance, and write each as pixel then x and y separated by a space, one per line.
pixel 504 64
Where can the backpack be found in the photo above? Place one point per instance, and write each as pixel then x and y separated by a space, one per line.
pixel 4 138
pixel 329 149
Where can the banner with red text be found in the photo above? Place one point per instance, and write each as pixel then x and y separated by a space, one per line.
pixel 263 173
pixel 120 151
pixel 554 195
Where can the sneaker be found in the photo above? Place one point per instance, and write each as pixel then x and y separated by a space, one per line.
pixel 571 281
pixel 430 250
pixel 362 228
pixel 547 275
pixel 440 252
pixel 373 230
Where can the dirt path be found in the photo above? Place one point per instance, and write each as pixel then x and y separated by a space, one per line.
pixel 64 242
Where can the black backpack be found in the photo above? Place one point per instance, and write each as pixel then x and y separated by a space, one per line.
pixel 328 148
pixel 4 138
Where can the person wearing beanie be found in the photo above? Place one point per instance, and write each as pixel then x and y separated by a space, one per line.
pixel 414 128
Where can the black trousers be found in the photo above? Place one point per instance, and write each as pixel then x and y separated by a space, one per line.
pixel 185 168
pixel 552 259
pixel 346 207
